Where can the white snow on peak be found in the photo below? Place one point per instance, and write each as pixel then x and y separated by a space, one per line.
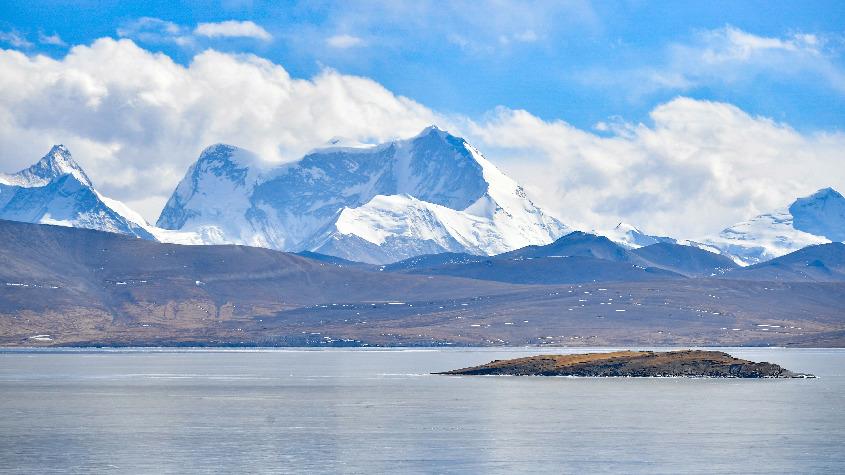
pixel 58 162
pixel 820 214
pixel 433 189
pixel 815 219
pixel 219 184
pixel 632 237
pixel 56 190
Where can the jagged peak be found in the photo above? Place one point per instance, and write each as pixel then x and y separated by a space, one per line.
pixel 432 129
pixel 228 159
pixel 57 163
pixel 435 131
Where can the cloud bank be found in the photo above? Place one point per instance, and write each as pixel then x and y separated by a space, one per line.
pixel 136 119
pixel 697 168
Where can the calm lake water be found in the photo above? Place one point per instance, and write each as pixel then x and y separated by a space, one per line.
pixel 379 411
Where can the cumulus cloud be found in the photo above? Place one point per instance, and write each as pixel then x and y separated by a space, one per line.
pixel 136 119
pixel 344 41
pixel 697 168
pixel 233 29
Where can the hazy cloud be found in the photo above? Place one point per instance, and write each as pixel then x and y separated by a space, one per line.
pixel 344 41
pixel 731 56
pixel 15 39
pixel 53 39
pixel 155 30
pixel 233 29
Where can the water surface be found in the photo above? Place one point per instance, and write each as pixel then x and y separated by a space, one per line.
pixel 377 411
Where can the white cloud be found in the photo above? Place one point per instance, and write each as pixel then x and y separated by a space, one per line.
pixel 53 39
pixel 15 39
pixel 344 41
pixel 156 31
pixel 136 119
pixel 233 29
pixel 732 44
pixel 700 167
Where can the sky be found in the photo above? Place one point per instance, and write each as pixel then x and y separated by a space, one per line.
pixel 678 117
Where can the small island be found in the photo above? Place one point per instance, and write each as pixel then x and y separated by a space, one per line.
pixel 640 364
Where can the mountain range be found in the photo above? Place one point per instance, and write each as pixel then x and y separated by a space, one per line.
pixel 433 194
pixel 69 286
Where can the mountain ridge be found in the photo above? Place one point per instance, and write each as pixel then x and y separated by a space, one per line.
pixel 378 204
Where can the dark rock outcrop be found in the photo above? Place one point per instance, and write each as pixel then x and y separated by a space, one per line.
pixel 687 363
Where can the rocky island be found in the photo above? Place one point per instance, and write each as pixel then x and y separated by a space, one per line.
pixel 685 363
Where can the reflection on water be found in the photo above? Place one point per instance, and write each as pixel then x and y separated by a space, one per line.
pixel 380 411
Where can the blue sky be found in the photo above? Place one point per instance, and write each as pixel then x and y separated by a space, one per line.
pixel 679 117
pixel 582 62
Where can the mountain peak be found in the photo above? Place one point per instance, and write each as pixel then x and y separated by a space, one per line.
pixel 433 131
pixel 824 194
pixel 56 163
pixel 625 227
pixel 432 128
pixel 224 160
pixel 218 151
pixel 822 214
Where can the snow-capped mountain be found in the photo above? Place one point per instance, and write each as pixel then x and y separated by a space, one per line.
pixel 431 193
pixel 815 219
pixel 631 237
pixel 56 190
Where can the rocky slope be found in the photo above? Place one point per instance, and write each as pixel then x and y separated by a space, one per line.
pixel 84 287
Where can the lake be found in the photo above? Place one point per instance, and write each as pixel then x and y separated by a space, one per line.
pixel 379 411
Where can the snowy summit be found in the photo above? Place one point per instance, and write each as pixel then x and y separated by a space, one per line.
pixel 428 194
